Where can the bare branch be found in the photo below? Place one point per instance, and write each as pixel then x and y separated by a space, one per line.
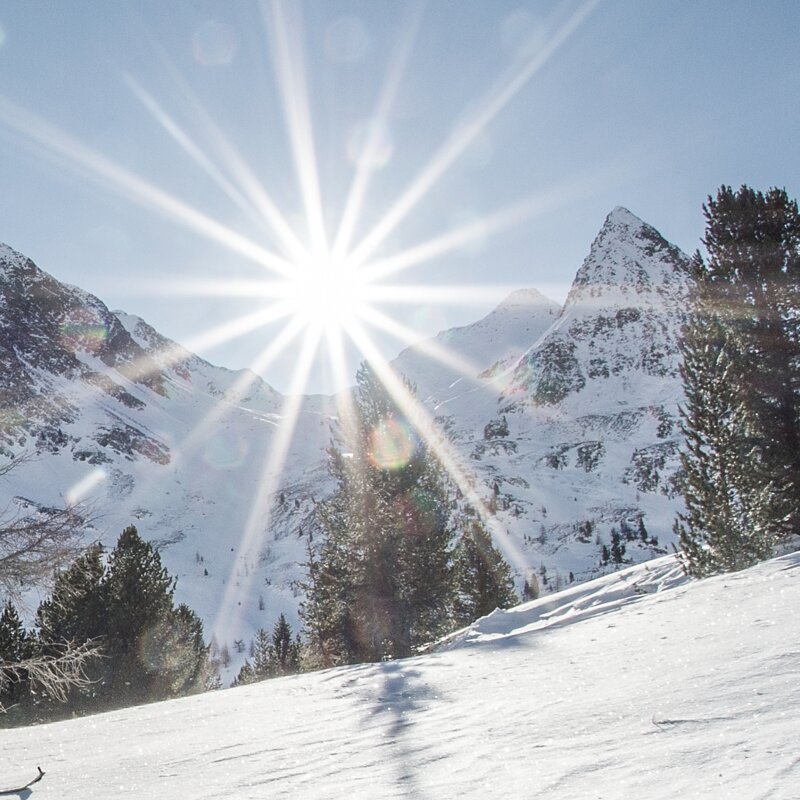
pixel 35 540
pixel 54 675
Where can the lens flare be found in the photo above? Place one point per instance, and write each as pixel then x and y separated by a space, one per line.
pixel 420 512
pixel 84 487
pixel 392 444
pixel 87 337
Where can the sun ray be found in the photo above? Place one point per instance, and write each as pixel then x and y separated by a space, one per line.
pixel 429 347
pixel 358 190
pixel 260 509
pixel 419 418
pixel 460 139
pixel 213 287
pixel 57 143
pixel 422 293
pixel 237 327
pixel 477 230
pixel 287 52
pixel 187 144
pixel 235 164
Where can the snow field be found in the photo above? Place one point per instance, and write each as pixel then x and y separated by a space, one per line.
pixel 668 690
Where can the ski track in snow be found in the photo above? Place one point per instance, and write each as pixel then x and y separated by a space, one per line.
pixel 677 690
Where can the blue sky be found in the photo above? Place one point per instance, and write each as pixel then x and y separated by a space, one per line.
pixel 651 105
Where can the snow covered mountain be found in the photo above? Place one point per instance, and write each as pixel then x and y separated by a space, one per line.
pixel 115 416
pixel 564 420
pixel 627 686
pixel 576 443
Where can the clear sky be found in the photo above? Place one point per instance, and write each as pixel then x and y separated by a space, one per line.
pixel 148 146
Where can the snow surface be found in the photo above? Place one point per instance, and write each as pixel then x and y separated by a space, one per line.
pixel 636 685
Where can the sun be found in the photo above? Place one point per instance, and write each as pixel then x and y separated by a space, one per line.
pixel 327 294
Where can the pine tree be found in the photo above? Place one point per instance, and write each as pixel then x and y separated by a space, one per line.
pixel 75 614
pixel 273 655
pixel 753 274
pixel 137 592
pixel 15 647
pixel 483 578
pixel 285 649
pixel 380 584
pixel 617 551
pixel 74 611
pixel 246 675
pixel 721 529
pixel 530 589
pixel 741 376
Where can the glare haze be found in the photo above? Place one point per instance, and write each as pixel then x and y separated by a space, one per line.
pixel 145 144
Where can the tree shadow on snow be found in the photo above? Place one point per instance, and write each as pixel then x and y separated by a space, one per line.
pixel 401 695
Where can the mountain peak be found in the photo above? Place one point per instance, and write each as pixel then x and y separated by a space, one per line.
pixel 628 256
pixel 524 298
pixel 622 216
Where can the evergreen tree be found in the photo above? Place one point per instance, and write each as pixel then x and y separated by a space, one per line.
pixel 150 649
pixel 753 275
pixel 285 649
pixel 726 496
pixel 75 614
pixel 75 610
pixel 15 647
pixel 617 551
pixel 246 675
pixel 380 584
pixel 483 578
pixel 742 381
pixel 180 655
pixel 273 656
pixel 530 589
pixel 137 592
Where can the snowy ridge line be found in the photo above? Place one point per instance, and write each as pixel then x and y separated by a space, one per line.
pixel 574 604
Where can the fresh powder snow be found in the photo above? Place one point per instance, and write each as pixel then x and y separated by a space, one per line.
pixel 640 684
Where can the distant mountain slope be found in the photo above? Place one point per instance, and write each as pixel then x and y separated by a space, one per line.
pixel 658 693
pixel 494 342
pixel 620 321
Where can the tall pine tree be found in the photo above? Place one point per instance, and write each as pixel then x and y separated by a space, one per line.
pixel 741 377
pixel 381 583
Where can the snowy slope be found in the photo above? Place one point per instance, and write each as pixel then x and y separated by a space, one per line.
pixel 674 691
